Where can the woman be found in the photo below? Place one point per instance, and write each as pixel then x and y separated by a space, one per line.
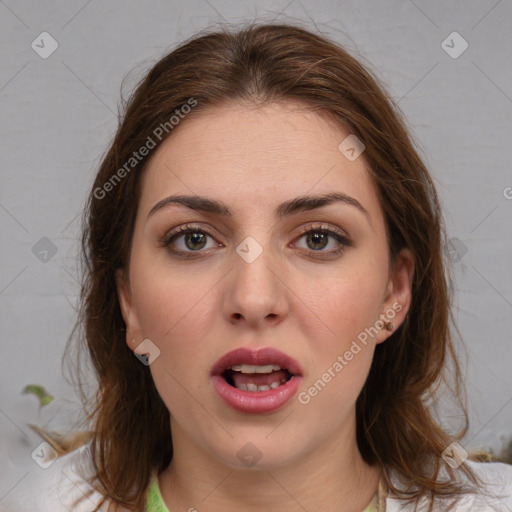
pixel 264 237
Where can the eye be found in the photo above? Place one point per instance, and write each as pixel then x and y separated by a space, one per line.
pixel 318 238
pixel 188 239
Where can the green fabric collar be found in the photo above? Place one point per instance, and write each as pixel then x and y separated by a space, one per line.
pixel 155 502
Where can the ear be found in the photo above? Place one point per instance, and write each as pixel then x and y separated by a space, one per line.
pixel 128 310
pixel 398 294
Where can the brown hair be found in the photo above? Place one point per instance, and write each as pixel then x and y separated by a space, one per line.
pixel 261 63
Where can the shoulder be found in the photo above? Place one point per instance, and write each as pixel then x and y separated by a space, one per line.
pixel 495 493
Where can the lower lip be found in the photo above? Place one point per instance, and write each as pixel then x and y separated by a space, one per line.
pixel 256 402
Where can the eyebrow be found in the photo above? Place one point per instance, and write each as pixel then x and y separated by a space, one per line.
pixel 299 204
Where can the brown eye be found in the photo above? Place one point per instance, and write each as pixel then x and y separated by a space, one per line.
pixel 189 239
pixel 322 240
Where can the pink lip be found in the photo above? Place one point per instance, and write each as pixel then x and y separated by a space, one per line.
pixel 256 402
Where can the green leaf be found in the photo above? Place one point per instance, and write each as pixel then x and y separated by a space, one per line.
pixel 44 397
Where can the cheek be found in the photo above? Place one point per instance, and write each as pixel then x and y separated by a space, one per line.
pixel 176 313
pixel 332 393
pixel 334 309
pixel 340 347
pixel 175 310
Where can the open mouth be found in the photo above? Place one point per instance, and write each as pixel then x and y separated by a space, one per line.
pixel 256 378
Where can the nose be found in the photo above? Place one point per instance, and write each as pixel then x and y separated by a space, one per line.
pixel 255 293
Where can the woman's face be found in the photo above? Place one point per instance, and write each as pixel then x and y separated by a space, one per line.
pixel 258 270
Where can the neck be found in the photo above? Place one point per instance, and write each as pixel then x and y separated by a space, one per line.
pixel 333 478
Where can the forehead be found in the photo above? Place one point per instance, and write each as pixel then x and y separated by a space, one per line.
pixel 248 154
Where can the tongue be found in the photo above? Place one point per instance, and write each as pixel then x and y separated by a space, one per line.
pixel 260 379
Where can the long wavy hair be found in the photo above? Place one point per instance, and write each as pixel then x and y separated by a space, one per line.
pixel 397 427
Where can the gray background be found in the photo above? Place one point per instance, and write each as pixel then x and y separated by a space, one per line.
pixel 58 115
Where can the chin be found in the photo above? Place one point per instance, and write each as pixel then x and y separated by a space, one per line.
pixel 257 453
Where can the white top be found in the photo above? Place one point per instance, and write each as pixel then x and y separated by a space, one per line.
pixel 54 489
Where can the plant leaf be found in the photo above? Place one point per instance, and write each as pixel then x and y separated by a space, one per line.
pixel 44 397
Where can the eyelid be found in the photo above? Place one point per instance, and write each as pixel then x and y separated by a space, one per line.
pixel 302 230
pixel 183 229
pixel 322 226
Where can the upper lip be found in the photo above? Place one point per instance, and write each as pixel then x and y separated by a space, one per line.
pixel 259 357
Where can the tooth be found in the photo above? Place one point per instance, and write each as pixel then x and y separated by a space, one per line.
pixel 251 386
pixel 252 368
pixel 264 369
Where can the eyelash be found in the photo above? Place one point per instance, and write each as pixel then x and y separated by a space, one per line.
pixel 185 229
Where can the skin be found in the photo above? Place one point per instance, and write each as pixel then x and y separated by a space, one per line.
pixel 253 158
